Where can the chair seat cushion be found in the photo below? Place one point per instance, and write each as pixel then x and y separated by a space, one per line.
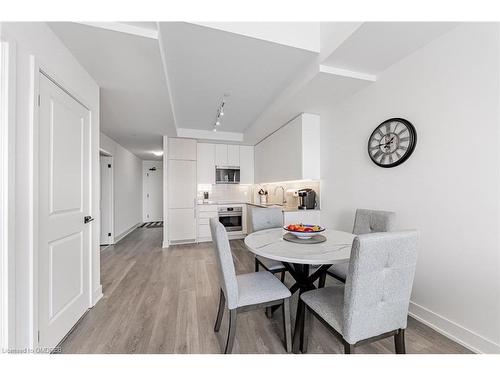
pixel 271 265
pixel 340 269
pixel 260 287
pixel 327 303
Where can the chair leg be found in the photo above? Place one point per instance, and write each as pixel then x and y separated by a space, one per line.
pixel 287 326
pixel 399 342
pixel 256 265
pixel 269 312
pixel 322 281
pixel 348 348
pixel 299 327
pixel 220 313
pixel 283 273
pixel 305 330
pixel 231 331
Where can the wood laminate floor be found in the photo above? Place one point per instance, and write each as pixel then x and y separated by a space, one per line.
pixel 165 301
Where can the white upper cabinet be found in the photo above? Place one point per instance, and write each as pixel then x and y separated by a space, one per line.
pixel 210 155
pixel 181 149
pixel 220 155
pixel 227 155
pixel 246 164
pixel 233 155
pixel 205 163
pixel 290 153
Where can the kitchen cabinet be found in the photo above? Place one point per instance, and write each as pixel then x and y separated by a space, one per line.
pixel 233 155
pixel 182 183
pixel 246 164
pixel 181 190
pixel 290 153
pixel 181 225
pixel 205 213
pixel 181 149
pixel 227 155
pixel 205 163
pixel 210 155
pixel 221 155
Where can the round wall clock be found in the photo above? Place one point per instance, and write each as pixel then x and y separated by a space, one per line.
pixel 392 142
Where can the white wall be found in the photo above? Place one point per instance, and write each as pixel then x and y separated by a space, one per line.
pixel 36 39
pixel 448 189
pixel 127 174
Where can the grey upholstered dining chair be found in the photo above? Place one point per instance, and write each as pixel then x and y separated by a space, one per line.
pixel 365 221
pixel 245 292
pixel 267 218
pixel 373 303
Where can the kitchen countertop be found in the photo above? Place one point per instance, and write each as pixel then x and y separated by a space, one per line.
pixel 283 208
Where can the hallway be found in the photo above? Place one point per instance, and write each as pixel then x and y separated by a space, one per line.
pixel 165 301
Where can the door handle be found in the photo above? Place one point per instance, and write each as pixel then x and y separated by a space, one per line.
pixel 87 219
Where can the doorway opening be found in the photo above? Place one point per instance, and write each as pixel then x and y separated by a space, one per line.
pixel 152 191
pixel 107 236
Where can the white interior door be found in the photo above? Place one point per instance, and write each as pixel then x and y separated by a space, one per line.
pixel 106 203
pixel 64 201
pixel 154 194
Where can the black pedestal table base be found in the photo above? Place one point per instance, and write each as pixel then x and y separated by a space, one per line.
pixel 303 283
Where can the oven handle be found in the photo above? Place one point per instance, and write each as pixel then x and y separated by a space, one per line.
pixel 229 214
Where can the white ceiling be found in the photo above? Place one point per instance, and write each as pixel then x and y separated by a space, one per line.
pixel 170 77
pixel 366 52
pixel 204 64
pixel 375 46
pixel 134 98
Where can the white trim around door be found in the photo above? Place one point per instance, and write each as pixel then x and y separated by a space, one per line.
pixel 37 71
pixel 7 190
pixel 106 201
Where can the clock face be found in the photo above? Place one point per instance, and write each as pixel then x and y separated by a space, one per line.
pixel 392 142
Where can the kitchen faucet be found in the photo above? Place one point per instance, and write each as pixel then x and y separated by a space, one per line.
pixel 283 201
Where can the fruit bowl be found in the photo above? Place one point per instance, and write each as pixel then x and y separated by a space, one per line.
pixel 304 231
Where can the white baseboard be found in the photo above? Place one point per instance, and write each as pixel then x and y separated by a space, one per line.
pixel 164 244
pixel 97 295
pixel 126 233
pixel 453 331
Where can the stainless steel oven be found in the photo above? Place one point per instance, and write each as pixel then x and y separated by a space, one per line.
pixel 231 218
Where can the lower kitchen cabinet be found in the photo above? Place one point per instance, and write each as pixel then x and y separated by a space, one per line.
pixel 182 225
pixel 205 212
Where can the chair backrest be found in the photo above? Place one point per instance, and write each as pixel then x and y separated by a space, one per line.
pixel 371 221
pixel 224 257
pixel 378 284
pixel 266 218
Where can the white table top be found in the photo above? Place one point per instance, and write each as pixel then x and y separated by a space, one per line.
pixel 270 244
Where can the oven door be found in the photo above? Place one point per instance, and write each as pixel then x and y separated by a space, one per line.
pixel 232 221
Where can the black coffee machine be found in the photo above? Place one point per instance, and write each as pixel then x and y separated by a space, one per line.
pixel 307 199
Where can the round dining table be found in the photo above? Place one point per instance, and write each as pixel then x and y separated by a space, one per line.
pixel 305 261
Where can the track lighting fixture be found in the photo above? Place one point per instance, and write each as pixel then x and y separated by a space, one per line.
pixel 220 113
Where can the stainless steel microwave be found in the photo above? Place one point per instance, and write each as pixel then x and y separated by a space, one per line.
pixel 227 175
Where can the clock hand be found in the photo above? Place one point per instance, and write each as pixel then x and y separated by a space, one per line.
pixel 387 143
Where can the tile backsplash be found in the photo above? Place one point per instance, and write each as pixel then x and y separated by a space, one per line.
pixel 248 193
pixel 223 192
pixel 275 194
